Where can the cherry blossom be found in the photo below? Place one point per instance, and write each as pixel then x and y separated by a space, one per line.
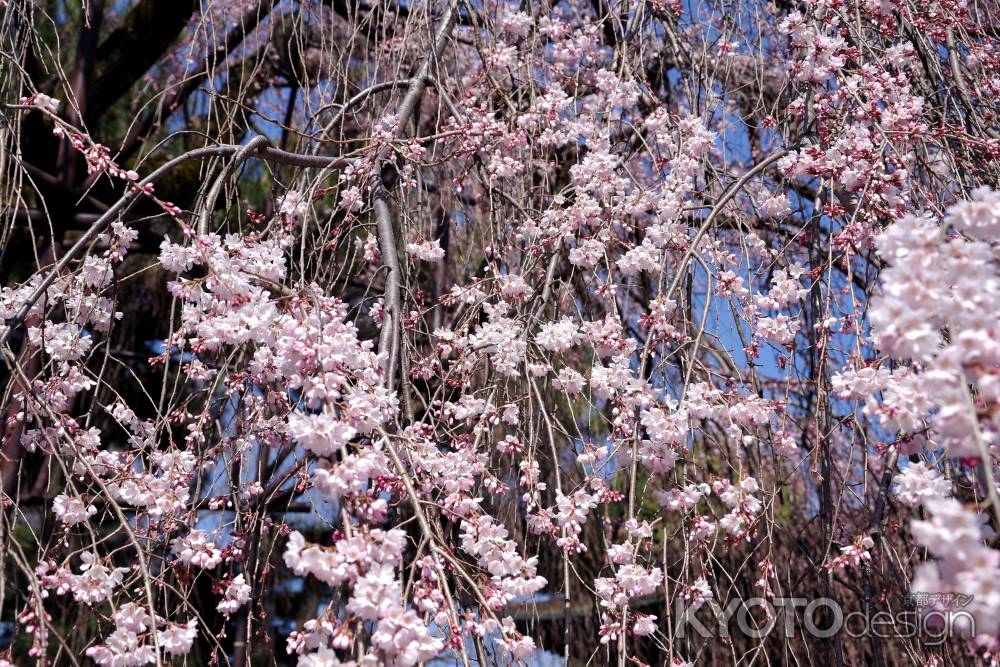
pixel 497 333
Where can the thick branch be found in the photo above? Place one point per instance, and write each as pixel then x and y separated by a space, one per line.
pixel 389 339
pixel 148 31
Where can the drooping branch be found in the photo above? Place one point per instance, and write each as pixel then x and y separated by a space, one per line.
pixel 135 191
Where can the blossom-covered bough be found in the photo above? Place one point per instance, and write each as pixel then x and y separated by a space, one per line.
pixel 473 333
